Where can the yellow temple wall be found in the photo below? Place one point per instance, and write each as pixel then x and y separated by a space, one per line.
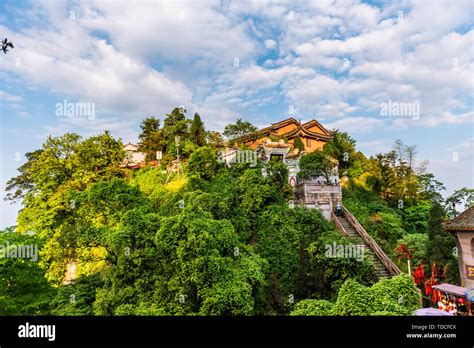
pixel 286 129
pixel 316 129
pixel 314 144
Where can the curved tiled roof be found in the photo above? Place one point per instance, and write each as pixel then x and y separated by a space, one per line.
pixel 300 128
pixel 313 123
pixel 303 130
pixel 462 222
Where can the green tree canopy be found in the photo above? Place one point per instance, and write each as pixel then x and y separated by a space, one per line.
pixel 214 139
pixel 197 133
pixel 177 125
pixel 315 164
pixel 463 197
pixel 238 129
pixel 206 269
pixel 23 288
pixel 203 163
pixel 395 296
pixel 440 246
pixel 151 138
pixel 342 148
pixel 63 165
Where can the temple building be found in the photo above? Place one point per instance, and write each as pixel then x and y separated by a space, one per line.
pixel 463 228
pixel 312 134
pixel 278 142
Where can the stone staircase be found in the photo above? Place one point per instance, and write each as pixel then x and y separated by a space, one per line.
pixel 380 269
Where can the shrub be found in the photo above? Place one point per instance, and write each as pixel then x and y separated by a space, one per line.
pixel 398 294
pixel 76 298
pixel 313 307
pixel 353 299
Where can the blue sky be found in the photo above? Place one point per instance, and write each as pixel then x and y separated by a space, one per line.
pixel 335 61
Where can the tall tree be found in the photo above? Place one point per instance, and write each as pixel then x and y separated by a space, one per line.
pixel 151 138
pixel 342 148
pixel 463 197
pixel 440 246
pixel 430 188
pixel 64 166
pixel 22 184
pixel 411 155
pixel 238 129
pixel 386 163
pixel 197 133
pixel 215 139
pixel 401 150
pixel 176 124
pixel 315 164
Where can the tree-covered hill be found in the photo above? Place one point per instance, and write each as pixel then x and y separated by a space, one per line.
pixel 222 241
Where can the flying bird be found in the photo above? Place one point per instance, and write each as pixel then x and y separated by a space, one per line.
pixel 6 44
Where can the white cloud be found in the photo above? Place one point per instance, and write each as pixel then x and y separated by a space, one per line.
pixel 372 147
pixel 356 124
pixel 9 98
pixel 102 75
pixel 454 166
pixel 335 58
pixel 447 118
pixel 270 44
pixel 172 30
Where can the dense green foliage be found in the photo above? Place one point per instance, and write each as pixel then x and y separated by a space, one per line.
pixel 76 298
pixel 395 296
pixel 222 241
pixel 313 307
pixel 417 244
pixel 441 246
pixel 215 139
pixel 400 204
pixel 315 164
pixel 23 287
pixel 382 222
pixel 203 163
pixel 226 244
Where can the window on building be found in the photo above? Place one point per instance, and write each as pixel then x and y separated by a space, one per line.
pixel 472 247
pixel 308 142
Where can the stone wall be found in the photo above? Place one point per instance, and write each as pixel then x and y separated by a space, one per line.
pixel 318 196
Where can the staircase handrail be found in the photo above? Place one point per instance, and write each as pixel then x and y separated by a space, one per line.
pixel 386 261
pixel 338 224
